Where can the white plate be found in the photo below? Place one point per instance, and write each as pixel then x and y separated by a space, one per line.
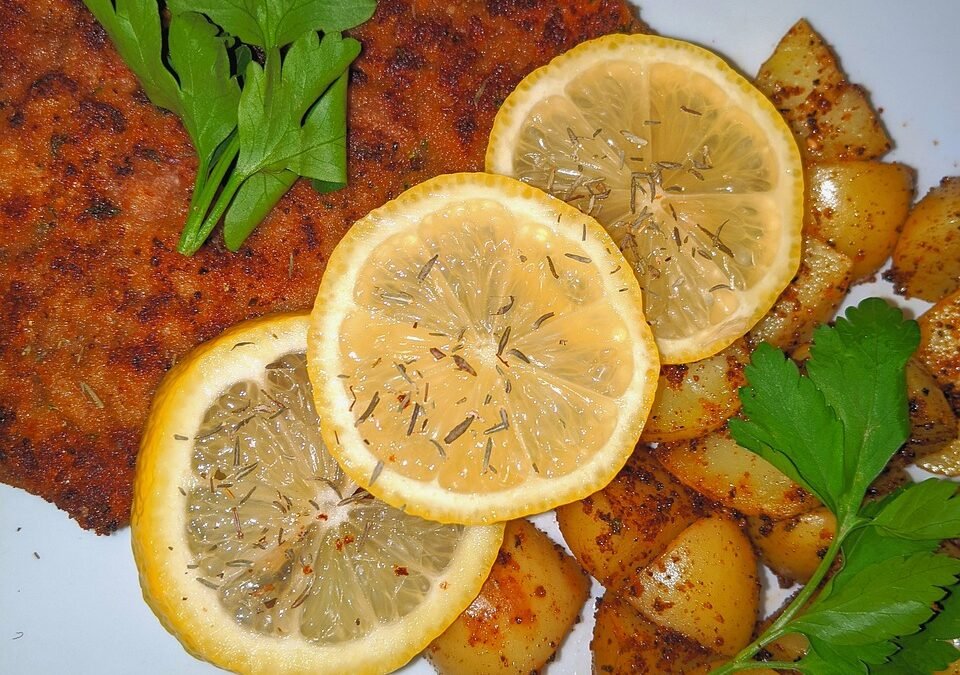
pixel 70 602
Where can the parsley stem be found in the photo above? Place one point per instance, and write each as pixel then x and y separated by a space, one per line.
pixel 196 229
pixel 216 212
pixel 744 660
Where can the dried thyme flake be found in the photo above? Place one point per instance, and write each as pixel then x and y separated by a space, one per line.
pixel 553 269
pixel 247 496
pixel 396 296
pixel 633 138
pixel 541 319
pixel 92 395
pixel 520 355
pixel 486 455
pixel 370 408
pixel 462 364
pixel 507 307
pixel 403 372
pixel 502 343
pixel 458 430
pixel 439 448
pixel 427 266
pixel 501 426
pixel 413 418
pixel 376 472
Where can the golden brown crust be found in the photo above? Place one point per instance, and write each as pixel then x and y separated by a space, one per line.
pixel 94 185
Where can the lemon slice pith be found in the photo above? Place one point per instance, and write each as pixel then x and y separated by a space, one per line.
pixel 479 352
pixel 692 171
pixel 256 551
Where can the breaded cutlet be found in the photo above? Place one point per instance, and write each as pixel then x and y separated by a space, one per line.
pixel 94 187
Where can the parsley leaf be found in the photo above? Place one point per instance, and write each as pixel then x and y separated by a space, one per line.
pixel 274 23
pixel 255 199
pixel 880 601
pixel 834 430
pixel 275 99
pixel 208 91
pixel 927 510
pixel 287 120
pixel 790 425
pixel 825 658
pixel 928 650
pixel 134 28
pixel 858 365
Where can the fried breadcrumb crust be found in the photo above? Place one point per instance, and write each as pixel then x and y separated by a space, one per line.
pixel 94 188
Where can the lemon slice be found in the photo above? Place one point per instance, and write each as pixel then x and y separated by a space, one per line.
pixel 692 171
pixel 256 551
pixel 479 352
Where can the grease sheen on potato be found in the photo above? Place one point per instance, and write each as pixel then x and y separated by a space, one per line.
pixel 703 586
pixel 794 547
pixel 525 609
pixel 939 347
pixel 859 208
pixel 715 466
pixel 812 297
pixel 628 523
pixel 698 397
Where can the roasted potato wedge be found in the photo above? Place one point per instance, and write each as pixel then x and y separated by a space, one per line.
pixel 926 259
pixel 811 299
pixel 710 565
pixel 794 547
pixel 717 467
pixel 526 607
pixel 790 647
pixel 625 642
pixel 859 208
pixel 695 398
pixel 940 346
pixel 945 460
pixel 628 523
pixel 933 424
pixel 831 118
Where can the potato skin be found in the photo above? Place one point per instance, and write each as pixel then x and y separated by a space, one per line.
pixel 628 523
pixel 926 259
pixel 625 642
pixel 939 347
pixel 703 586
pixel 859 208
pixel 715 466
pixel 811 299
pixel 525 609
pixel 698 397
pixel 794 547
pixel 831 118
pixel 932 420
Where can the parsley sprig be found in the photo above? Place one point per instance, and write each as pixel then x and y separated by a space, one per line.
pixel 833 431
pixel 256 128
